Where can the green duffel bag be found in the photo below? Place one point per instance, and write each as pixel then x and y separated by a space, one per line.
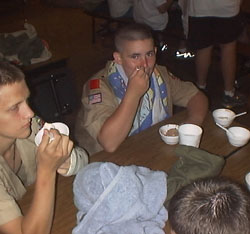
pixel 193 164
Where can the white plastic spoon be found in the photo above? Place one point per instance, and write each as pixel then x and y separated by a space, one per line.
pixel 240 114
pixel 225 129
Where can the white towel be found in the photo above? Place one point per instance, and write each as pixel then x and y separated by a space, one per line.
pixel 125 200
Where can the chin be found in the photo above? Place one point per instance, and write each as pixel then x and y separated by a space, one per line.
pixel 25 134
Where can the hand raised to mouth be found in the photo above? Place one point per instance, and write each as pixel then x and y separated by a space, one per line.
pixel 138 82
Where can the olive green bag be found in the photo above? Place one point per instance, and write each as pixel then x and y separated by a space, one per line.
pixel 193 164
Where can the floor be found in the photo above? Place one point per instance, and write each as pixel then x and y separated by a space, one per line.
pixel 68 33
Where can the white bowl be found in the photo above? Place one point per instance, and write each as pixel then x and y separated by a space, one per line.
pixel 238 136
pixel 247 179
pixel 223 117
pixel 170 140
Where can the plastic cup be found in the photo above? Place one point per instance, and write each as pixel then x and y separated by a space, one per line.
pixel 190 134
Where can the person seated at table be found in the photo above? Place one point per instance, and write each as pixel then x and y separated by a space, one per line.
pixel 212 205
pixel 132 93
pixel 22 162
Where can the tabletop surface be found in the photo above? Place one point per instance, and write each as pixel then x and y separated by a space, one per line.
pixel 147 149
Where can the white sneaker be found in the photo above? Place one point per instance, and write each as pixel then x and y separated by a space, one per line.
pixel 184 55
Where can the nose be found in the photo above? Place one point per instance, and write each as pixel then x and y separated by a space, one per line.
pixel 28 113
pixel 144 62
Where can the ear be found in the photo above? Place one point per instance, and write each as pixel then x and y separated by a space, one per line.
pixel 172 232
pixel 117 58
pixel 155 49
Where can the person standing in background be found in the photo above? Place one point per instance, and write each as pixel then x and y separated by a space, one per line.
pixel 216 22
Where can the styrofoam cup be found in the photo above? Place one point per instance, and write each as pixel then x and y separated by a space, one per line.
pixel 190 134
pixel 61 127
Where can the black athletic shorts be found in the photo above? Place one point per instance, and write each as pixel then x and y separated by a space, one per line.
pixel 207 31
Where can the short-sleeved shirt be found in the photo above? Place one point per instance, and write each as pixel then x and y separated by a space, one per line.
pixel 214 8
pixel 99 102
pixel 12 186
pixel 119 8
pixel 146 12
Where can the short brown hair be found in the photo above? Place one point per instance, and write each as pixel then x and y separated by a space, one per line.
pixel 132 32
pixel 9 73
pixel 210 206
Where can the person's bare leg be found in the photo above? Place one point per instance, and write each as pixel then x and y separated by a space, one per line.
pixel 228 67
pixel 228 64
pixel 202 61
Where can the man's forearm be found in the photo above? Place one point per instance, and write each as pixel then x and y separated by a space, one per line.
pixel 116 128
pixel 197 108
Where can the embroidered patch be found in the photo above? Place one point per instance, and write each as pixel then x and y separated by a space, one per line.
pixel 95 98
pixel 94 84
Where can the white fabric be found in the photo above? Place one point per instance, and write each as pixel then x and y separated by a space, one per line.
pixel 145 11
pixel 216 8
pixel 125 200
pixel 118 8
pixel 159 112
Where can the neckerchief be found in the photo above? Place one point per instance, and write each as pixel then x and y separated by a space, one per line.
pixel 144 115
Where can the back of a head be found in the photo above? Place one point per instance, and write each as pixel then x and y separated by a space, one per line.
pixel 132 32
pixel 210 206
pixel 9 74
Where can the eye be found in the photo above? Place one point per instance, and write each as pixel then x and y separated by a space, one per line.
pixel 14 108
pixel 151 54
pixel 135 56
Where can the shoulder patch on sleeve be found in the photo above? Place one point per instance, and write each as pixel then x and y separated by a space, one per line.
pixel 94 84
pixel 95 98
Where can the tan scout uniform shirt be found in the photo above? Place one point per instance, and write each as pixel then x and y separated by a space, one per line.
pixel 12 186
pixel 92 116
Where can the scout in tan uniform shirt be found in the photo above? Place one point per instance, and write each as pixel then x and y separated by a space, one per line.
pixel 22 162
pixel 131 94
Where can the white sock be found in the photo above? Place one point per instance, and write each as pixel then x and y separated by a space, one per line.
pixel 229 93
pixel 182 50
pixel 202 86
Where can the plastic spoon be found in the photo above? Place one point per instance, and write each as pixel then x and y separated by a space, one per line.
pixel 240 114
pixel 225 129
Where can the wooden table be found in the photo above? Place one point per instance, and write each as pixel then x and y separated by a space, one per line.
pixel 145 149
pixel 238 165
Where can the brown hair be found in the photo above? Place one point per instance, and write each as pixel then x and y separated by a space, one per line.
pixel 9 73
pixel 132 32
pixel 210 206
